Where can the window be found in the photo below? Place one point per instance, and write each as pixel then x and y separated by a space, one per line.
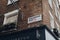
pixel 59 17
pixel 11 1
pixel 51 20
pixel 10 17
pixel 50 3
pixel 57 4
pixel 57 25
pixel 56 10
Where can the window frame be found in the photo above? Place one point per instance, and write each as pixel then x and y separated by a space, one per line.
pixel 6 15
pixel 51 20
pixel 56 10
pixel 50 3
pixel 57 25
pixel 9 2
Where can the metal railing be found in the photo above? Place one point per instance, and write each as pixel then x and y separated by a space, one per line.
pixel 8 27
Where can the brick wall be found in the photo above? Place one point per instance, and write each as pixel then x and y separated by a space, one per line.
pixel 29 8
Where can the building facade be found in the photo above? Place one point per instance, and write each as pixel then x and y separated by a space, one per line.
pixel 30 13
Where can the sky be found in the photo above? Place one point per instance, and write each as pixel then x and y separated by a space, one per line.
pixel 59 0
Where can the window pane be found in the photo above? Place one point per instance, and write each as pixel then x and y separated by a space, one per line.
pixel 11 1
pixel 50 3
pixel 12 19
pixel 15 0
